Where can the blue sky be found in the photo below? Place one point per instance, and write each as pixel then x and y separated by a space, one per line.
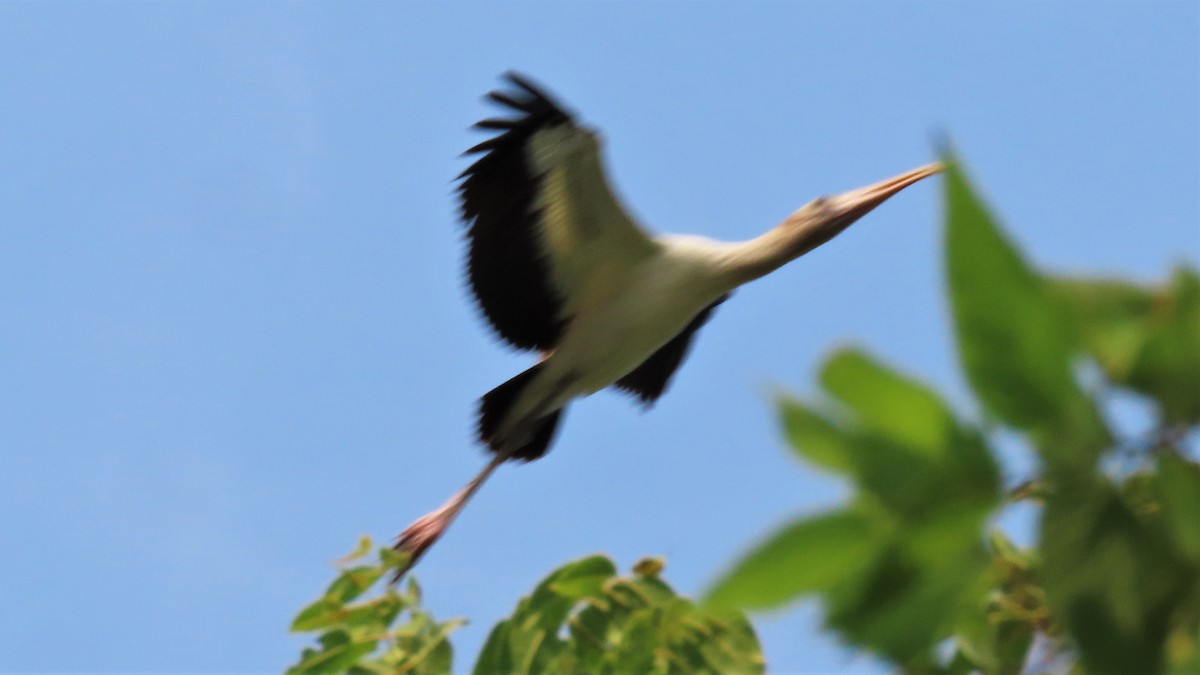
pixel 235 335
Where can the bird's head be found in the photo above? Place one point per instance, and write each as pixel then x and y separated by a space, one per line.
pixel 825 217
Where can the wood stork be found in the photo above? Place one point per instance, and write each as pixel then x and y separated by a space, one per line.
pixel 560 268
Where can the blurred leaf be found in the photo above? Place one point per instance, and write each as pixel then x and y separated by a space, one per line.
pixel 808 555
pixel 902 609
pixel 996 634
pixel 1014 344
pixel 813 437
pixel 391 559
pixel 353 582
pixel 414 591
pixel 373 616
pixel 360 551
pixel 422 647
pixel 322 613
pixel 1144 338
pixel 913 467
pixel 1168 366
pixel 649 567
pixel 1179 481
pixel 496 657
pixel 888 403
pixel 898 567
pixel 1108 317
pixel 339 651
pixel 915 488
pixel 1000 647
pixel 1111 577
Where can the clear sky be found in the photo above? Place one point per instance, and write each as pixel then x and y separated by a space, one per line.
pixel 235 336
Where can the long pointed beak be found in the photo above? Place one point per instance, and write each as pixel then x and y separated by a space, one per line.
pixel 825 218
pixel 848 207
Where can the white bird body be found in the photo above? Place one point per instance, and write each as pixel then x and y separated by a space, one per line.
pixel 636 313
pixel 559 268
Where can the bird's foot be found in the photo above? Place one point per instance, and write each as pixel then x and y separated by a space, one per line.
pixel 425 531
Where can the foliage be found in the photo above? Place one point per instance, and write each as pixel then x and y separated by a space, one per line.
pixel 630 624
pixel 582 618
pixel 910 569
pixel 363 637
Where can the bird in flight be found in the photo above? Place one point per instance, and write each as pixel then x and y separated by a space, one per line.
pixel 559 268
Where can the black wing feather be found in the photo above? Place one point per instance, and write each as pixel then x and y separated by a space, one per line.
pixel 494 124
pixel 508 272
pixel 649 380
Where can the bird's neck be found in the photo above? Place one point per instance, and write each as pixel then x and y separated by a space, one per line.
pixel 800 233
pixel 748 260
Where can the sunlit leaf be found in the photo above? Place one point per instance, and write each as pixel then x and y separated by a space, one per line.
pixel 909 481
pixel 374 615
pixel 362 637
pixel 338 652
pixel 353 582
pixel 649 567
pixel 888 403
pixel 425 651
pixel 915 488
pixel 391 559
pixel 360 551
pixel 1109 318
pixel 496 656
pixel 1014 343
pixel 324 612
pixel 806 556
pixel 814 437
pixel 616 625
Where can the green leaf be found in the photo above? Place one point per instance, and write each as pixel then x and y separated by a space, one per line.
pixel 339 651
pixel 915 471
pixel 496 656
pixel 320 614
pixel 806 556
pixel 914 488
pixel 391 559
pixel 616 625
pixel 353 582
pixel 1109 575
pixel 1108 317
pixel 1013 341
pixel 1147 339
pixel 528 641
pixel 422 647
pixel 1168 367
pixel 635 652
pixel 897 568
pixel 903 607
pixel 373 616
pixel 1179 482
pixel 377 614
pixel 813 437
pixel 361 638
pixel 888 403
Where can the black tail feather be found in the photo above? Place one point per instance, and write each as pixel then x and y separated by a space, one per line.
pixel 539 443
pixel 494 406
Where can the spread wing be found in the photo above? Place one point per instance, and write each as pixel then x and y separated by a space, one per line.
pixel 547 236
pixel 649 380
